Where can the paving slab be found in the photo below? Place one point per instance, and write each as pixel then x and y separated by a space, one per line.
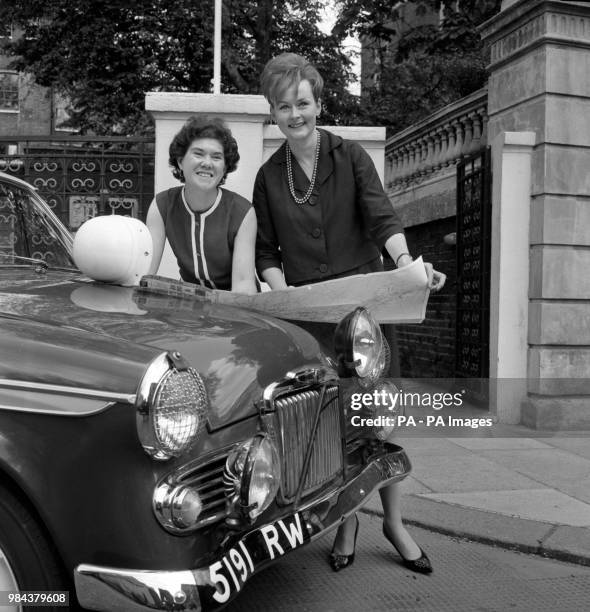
pixel 479 444
pixel 466 472
pixel 553 468
pixel 545 505
pixel 576 446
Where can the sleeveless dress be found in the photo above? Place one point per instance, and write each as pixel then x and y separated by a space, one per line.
pixel 203 242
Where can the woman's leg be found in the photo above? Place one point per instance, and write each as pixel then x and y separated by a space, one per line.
pixel 344 540
pixel 392 522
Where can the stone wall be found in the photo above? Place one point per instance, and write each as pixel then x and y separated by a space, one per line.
pixel 540 62
pixel 536 108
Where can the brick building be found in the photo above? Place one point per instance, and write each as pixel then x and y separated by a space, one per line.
pixel 26 109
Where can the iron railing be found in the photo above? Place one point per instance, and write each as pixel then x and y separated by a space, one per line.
pixel 473 269
pixel 81 176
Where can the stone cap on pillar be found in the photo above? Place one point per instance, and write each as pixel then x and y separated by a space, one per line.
pixel 182 104
pixel 523 24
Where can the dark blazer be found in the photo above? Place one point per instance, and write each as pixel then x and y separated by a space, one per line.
pixel 344 224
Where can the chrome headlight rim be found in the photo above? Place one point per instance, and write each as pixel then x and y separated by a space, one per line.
pixel 345 336
pixel 156 377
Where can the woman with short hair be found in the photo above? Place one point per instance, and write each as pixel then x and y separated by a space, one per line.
pixel 322 214
pixel 211 230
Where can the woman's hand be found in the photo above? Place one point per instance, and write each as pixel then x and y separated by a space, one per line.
pixel 436 280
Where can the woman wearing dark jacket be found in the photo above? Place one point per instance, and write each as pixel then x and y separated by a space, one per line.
pixel 322 214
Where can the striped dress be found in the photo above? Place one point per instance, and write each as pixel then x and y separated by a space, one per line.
pixel 203 242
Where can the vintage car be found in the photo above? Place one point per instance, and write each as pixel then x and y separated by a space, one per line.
pixel 157 450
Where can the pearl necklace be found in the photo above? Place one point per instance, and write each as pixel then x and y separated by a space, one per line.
pixel 307 195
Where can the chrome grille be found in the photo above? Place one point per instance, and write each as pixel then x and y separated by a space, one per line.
pixel 296 414
pixel 207 479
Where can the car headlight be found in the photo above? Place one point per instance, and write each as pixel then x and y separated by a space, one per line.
pixel 361 349
pixel 172 405
pixel 252 475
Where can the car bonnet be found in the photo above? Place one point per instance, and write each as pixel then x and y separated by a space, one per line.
pixel 238 352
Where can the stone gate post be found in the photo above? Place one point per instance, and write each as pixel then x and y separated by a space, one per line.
pixel 540 82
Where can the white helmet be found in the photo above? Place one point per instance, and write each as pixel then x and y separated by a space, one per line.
pixel 113 249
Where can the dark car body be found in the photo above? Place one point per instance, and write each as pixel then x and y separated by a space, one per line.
pixel 74 354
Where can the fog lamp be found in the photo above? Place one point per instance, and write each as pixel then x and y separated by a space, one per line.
pixel 187 507
pixel 177 508
pixel 361 349
pixel 252 475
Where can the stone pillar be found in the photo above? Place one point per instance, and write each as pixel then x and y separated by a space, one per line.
pixel 540 62
pixel 509 300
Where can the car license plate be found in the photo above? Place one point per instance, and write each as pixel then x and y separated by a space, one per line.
pixel 254 550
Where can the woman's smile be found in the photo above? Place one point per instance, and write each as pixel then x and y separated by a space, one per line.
pixel 203 165
pixel 296 111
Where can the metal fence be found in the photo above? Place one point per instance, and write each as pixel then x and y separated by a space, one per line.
pixel 473 270
pixel 81 177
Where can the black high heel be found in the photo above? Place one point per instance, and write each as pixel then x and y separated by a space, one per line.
pixel 339 562
pixel 421 565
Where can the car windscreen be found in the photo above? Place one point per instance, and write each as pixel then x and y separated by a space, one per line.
pixel 28 229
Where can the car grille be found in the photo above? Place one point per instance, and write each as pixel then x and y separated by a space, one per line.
pixel 207 479
pixel 296 414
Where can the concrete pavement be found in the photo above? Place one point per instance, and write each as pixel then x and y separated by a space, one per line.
pixel 509 486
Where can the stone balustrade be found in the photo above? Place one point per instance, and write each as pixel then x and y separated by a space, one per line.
pixel 434 146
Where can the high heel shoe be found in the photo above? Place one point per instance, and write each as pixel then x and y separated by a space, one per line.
pixel 339 562
pixel 421 565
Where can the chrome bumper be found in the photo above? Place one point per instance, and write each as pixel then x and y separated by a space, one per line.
pixel 124 590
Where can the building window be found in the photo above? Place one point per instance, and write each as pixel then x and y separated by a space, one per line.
pixel 8 149
pixel 8 91
pixel 5 31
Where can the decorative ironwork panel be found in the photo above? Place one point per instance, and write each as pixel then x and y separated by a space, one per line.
pixel 81 178
pixel 473 271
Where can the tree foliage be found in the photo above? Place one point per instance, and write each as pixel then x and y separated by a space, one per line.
pixel 421 68
pixel 104 55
